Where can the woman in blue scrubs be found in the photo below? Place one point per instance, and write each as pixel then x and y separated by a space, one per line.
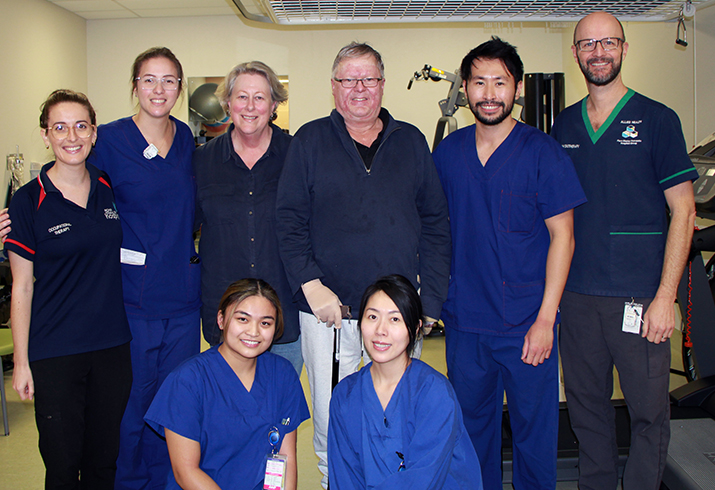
pixel 229 410
pixel 396 423
pixel 148 157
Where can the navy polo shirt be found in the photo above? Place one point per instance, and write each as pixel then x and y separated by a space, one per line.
pixel 624 167
pixel 77 301
pixel 236 209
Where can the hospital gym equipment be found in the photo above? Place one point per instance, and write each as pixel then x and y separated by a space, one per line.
pixel 691 455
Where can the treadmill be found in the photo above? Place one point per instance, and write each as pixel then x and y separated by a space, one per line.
pixel 691 454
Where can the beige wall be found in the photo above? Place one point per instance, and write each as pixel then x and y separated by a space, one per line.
pixel 210 46
pixel 42 48
pixel 45 47
pixel 704 43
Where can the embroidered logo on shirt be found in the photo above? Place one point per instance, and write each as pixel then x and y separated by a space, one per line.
pixel 630 133
pixel 111 213
pixel 570 146
pixel 286 421
pixel 59 229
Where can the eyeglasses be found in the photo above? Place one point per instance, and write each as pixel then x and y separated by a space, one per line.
pixel 607 43
pixel 61 130
pixel 352 82
pixel 148 82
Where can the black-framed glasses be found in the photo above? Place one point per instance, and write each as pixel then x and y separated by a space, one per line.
pixel 148 82
pixel 607 43
pixel 352 82
pixel 61 130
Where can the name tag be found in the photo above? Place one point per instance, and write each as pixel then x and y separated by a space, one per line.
pixel 632 318
pixel 132 257
pixel 275 472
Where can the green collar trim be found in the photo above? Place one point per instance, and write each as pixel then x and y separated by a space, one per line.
pixel 595 135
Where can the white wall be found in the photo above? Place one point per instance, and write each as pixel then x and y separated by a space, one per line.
pixel 42 48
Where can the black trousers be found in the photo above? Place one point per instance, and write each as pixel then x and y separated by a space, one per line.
pixel 591 343
pixel 79 403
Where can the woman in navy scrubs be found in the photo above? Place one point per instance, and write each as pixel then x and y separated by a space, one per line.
pixel 148 156
pixel 396 423
pixel 238 404
pixel 69 327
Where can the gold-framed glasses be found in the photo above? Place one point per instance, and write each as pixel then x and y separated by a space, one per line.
pixel 61 130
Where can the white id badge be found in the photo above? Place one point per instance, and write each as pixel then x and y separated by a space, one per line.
pixel 275 478
pixel 632 317
pixel 132 257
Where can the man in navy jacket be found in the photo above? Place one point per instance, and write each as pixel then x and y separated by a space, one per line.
pixel 359 197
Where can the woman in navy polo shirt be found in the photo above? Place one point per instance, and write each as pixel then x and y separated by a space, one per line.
pixel 69 327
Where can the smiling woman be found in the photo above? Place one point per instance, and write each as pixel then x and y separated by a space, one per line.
pixel 237 178
pixel 397 423
pixel 240 403
pixel 63 251
pixel 148 156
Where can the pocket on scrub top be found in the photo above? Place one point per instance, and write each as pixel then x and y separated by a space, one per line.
pixel 133 277
pixel 522 301
pixel 636 251
pixel 517 213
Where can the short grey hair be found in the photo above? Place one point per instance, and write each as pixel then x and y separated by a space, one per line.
pixel 279 94
pixel 358 50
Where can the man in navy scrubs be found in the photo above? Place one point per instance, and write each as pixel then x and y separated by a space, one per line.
pixel 511 192
pixel 630 156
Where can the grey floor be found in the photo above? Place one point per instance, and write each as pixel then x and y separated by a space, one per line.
pixel 21 466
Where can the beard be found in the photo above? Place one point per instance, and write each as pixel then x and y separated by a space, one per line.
pixel 605 78
pixel 495 119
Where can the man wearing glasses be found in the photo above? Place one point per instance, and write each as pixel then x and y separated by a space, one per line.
pixel 630 156
pixel 358 198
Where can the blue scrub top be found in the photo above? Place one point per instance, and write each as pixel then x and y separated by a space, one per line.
pixel 499 238
pixel 422 421
pixel 203 400
pixel 624 167
pixel 156 200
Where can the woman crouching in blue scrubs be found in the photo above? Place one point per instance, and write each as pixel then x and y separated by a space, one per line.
pixel 396 423
pixel 230 414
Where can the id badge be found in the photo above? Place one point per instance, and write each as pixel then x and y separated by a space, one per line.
pixel 632 317
pixel 132 257
pixel 275 477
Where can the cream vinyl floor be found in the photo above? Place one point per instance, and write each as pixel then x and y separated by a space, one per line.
pixel 21 466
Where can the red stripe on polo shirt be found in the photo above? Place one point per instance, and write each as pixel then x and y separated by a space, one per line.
pixel 42 195
pixel 10 240
pixel 101 179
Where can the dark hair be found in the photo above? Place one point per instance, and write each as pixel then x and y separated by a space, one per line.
pixel 401 291
pixel 64 95
pixel 156 52
pixel 245 288
pixel 358 50
pixel 494 49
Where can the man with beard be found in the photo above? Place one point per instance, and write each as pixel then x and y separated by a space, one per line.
pixel 631 158
pixel 511 192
